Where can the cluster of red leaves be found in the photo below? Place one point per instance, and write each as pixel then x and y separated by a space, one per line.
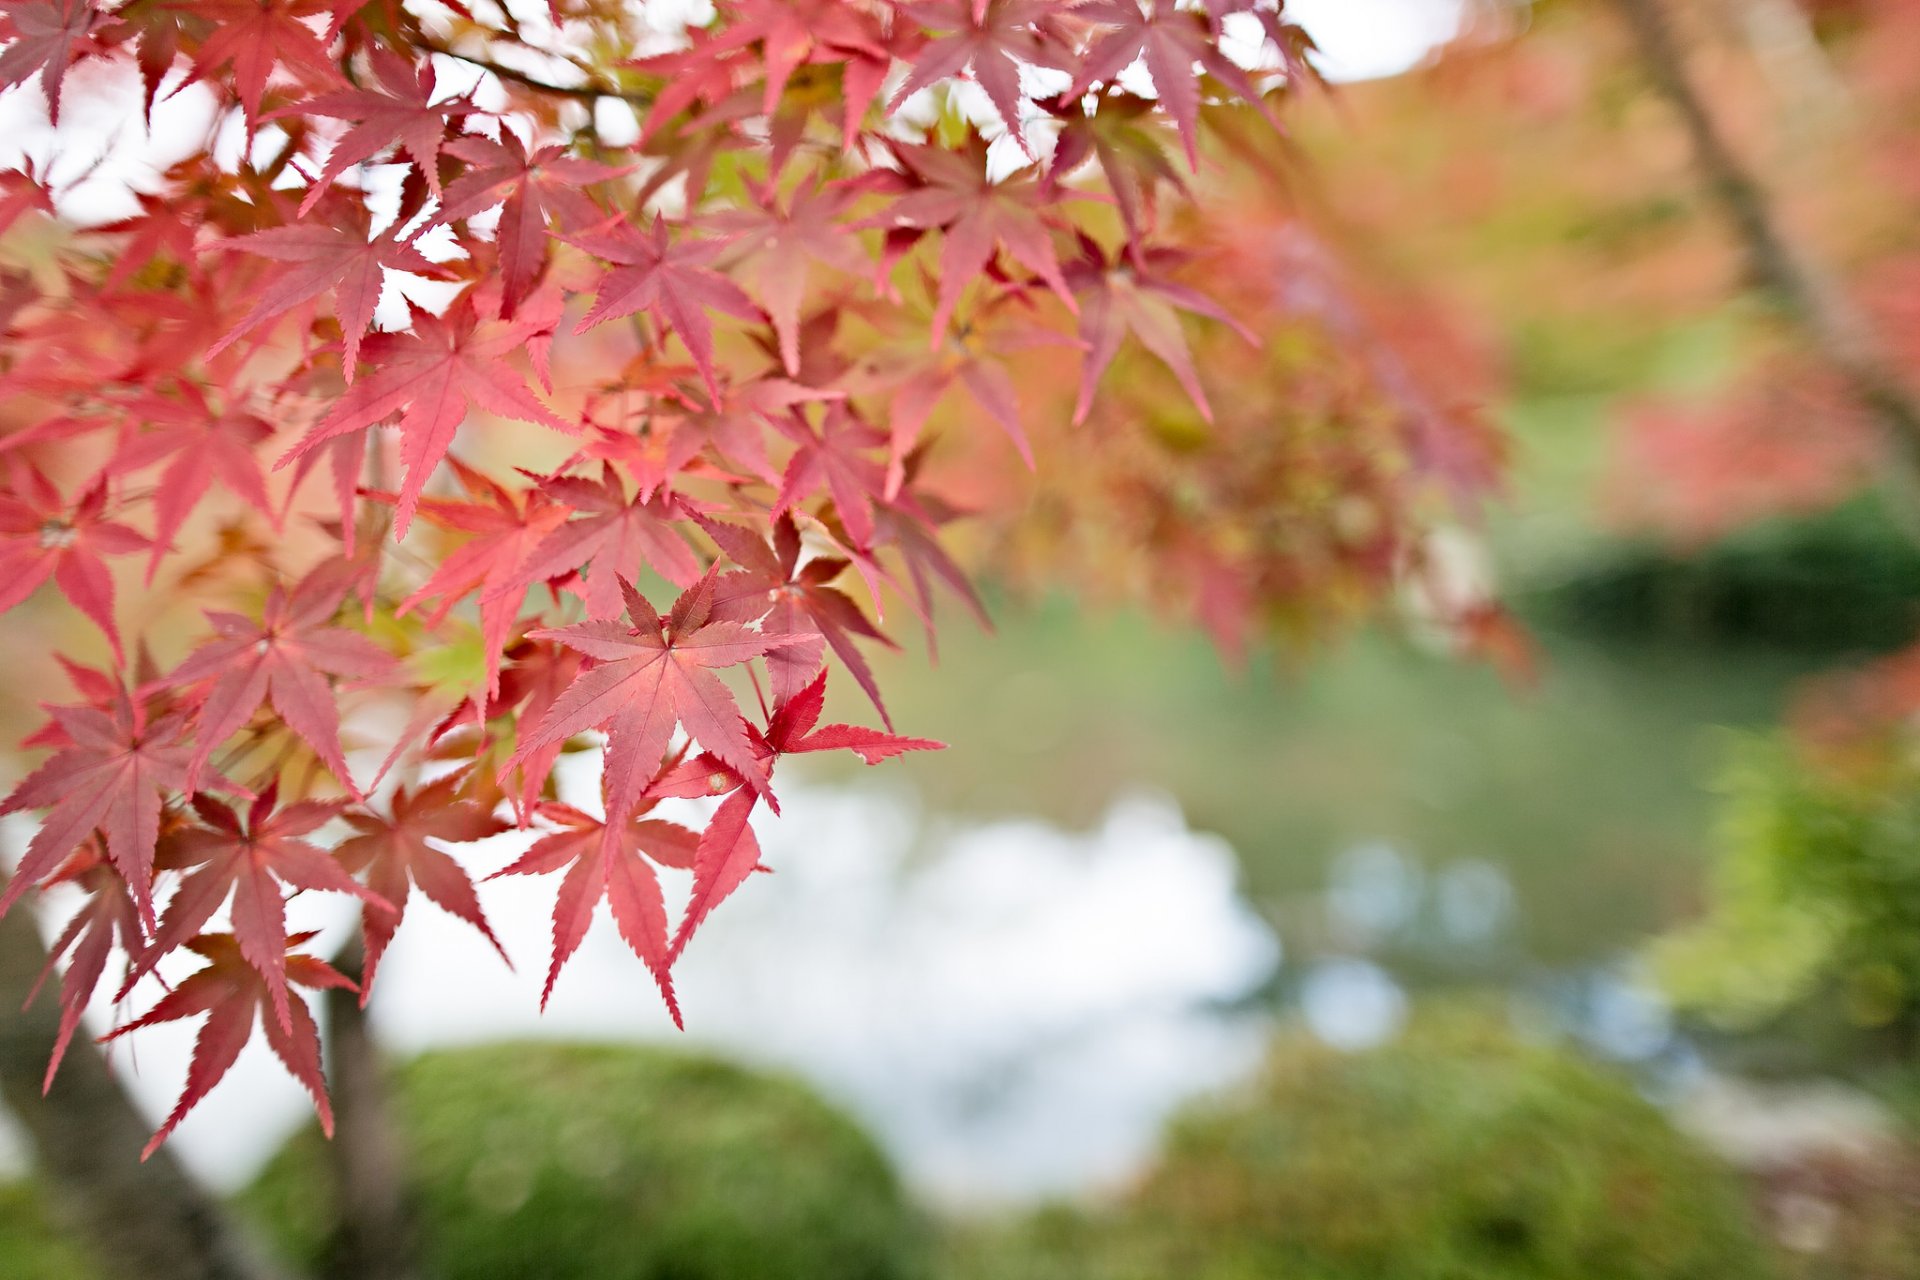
pixel 722 333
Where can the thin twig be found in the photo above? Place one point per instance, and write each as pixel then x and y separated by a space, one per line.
pixel 584 92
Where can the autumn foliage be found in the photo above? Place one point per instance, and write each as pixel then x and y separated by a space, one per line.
pixel 491 378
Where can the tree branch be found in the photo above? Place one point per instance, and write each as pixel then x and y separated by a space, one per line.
pixel 585 92
pixel 1804 291
pixel 374 1232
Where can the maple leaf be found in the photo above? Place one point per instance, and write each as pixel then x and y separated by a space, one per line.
pixel 1135 296
pixel 431 377
pixel 404 116
pixel 795 32
pixel 670 281
pixel 506 529
pixel 795 729
pixel 106 921
pixel 537 676
pixel 950 191
pixel 47 36
pixel 313 259
pixel 230 990
pixel 42 537
pixel 284 658
pixel 248 860
pixel 614 861
pixel 254 37
pixel 1122 138
pixel 833 458
pixel 530 189
pixel 110 772
pixel 992 38
pixel 1169 41
pixel 200 444
pixel 728 851
pixel 396 854
pixel 793 599
pixel 726 855
pixel 783 237
pixel 647 677
pixel 617 535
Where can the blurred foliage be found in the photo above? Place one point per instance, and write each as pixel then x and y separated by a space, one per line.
pixel 31 1247
pixel 572 1162
pixel 1459 1152
pixel 1817 893
pixel 1840 584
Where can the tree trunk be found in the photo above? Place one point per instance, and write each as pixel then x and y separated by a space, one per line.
pixel 374 1236
pixel 146 1221
pixel 1800 285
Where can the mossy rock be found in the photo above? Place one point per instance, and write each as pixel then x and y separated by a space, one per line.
pixel 1459 1152
pixel 31 1246
pixel 565 1162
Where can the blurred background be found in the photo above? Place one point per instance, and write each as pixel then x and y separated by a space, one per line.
pixel 1599 960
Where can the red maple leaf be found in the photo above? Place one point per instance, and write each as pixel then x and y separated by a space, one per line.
pixel 615 862
pixel 615 536
pixel 200 444
pixel 506 527
pixel 284 658
pixel 1169 41
pixel 42 537
pixel 106 921
pixel 795 729
pixel 647 677
pixel 793 599
pixel 1136 296
pixel 314 259
pixel 530 189
pixel 728 851
pixel 949 191
pixel 248 860
pixel 834 458
pixel 258 36
pixel 111 769
pixel 47 36
pixel 231 990
pixel 396 854
pixel 726 855
pixel 669 280
pixel 404 116
pixel 993 37
pixel 783 237
pixel 431 377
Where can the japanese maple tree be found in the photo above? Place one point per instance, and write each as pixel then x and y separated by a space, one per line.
pixel 534 374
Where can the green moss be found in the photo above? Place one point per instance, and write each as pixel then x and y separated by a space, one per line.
pixel 1460 1152
pixel 31 1248
pixel 602 1163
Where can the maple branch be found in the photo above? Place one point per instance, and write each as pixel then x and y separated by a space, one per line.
pixel 584 93
pixel 1801 286
pixel 373 1236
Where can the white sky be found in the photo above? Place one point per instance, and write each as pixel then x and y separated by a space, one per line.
pixel 1365 39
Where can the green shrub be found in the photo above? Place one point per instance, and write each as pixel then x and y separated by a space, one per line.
pixel 31 1248
pixel 1816 902
pixel 1460 1152
pixel 551 1162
